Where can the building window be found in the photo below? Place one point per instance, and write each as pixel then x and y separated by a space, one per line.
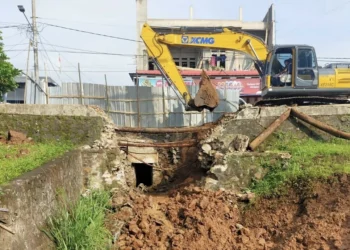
pixel 222 59
pixel 217 51
pixel 177 61
pixel 151 65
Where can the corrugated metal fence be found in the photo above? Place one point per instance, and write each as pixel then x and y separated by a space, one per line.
pixel 132 106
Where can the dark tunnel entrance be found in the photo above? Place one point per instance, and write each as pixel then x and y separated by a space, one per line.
pixel 143 173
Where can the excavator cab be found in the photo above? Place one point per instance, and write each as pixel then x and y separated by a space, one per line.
pixel 290 70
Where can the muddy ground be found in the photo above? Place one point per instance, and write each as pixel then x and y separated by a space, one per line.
pixel 188 217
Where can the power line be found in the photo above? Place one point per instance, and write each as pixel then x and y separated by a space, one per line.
pixel 50 60
pixel 62 55
pixel 94 71
pixel 64 47
pixel 90 52
pixel 17 54
pixel 14 45
pixel 83 52
pixel 74 21
pixel 10 26
pixel 16 34
pixel 340 58
pixel 12 23
pixel 91 33
pixel 336 8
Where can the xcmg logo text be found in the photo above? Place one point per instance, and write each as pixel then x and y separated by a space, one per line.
pixel 197 40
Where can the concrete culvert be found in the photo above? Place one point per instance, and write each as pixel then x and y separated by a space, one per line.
pixel 143 173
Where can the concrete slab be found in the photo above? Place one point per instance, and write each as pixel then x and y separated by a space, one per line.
pixel 52 109
pixel 140 155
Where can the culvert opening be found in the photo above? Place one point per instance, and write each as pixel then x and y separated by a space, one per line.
pixel 143 173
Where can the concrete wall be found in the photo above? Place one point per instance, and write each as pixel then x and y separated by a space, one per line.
pixel 76 123
pixel 270 29
pixel 234 170
pixel 31 199
pixel 253 121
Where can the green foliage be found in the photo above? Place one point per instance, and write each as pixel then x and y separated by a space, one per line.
pixel 81 226
pixel 311 160
pixel 18 159
pixel 7 73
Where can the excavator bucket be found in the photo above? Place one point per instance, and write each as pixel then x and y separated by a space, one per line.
pixel 207 96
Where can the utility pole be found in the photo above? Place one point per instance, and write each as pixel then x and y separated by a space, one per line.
pixel 27 73
pixel 35 50
pixel 46 86
pixel 81 87
pixel 107 97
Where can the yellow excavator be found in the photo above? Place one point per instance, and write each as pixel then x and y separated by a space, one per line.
pixel 298 81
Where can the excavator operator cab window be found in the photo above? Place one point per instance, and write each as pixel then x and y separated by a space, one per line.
pixel 306 64
pixel 281 68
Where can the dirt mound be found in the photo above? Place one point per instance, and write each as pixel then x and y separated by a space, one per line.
pixel 14 137
pixel 191 218
pixel 318 220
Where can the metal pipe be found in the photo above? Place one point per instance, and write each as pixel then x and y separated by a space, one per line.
pixel 320 125
pixel 270 129
pixel 165 130
pixel 188 143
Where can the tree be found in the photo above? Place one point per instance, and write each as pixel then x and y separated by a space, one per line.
pixel 7 72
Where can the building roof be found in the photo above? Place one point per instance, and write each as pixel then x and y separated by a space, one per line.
pixel 51 82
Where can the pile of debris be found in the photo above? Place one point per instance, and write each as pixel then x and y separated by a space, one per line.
pixel 213 149
pixel 187 218
pixel 193 218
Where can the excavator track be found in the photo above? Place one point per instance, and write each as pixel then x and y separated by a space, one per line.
pixel 302 100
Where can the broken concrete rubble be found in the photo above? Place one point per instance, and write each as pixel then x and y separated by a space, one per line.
pixel 239 143
pixel 228 164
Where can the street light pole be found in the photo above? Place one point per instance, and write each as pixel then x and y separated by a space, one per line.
pixel 35 46
pixel 35 49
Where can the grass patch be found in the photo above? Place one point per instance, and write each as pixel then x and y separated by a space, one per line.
pixel 82 225
pixel 311 160
pixel 18 159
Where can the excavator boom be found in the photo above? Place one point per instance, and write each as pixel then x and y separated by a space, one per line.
pixel 207 96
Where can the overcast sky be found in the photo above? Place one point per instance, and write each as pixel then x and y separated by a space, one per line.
pixel 322 23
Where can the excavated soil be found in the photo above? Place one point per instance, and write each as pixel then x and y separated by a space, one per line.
pixel 14 137
pixel 193 218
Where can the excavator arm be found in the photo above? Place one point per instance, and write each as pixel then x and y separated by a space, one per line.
pixel 158 49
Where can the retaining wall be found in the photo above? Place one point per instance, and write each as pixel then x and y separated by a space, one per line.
pixel 32 198
pixel 76 123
